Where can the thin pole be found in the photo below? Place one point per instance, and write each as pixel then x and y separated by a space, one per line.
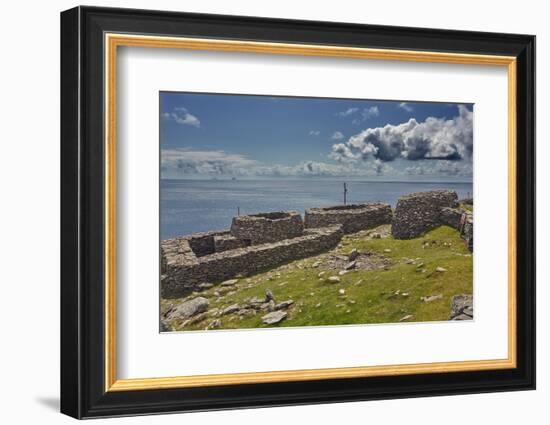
pixel 345 193
pixel 238 211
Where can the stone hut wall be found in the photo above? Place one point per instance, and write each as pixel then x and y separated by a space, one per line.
pixel 353 218
pixel 419 212
pixel 267 227
pixel 182 274
pixel 226 242
pixel 461 220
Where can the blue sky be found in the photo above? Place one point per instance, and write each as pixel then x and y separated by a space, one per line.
pixel 243 136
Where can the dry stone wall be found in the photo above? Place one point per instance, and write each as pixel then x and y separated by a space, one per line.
pixel 267 227
pixel 182 272
pixel 353 218
pixel 419 212
pixel 461 220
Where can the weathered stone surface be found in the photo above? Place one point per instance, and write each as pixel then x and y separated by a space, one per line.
pixel 184 271
pixel 431 298
pixel 274 317
pixel 267 227
pixel 230 309
pixel 450 216
pixel 188 309
pixel 461 220
pixel 353 254
pixel 284 304
pixel 353 218
pixel 462 317
pixel 333 279
pixel 226 242
pixel 462 305
pixel 419 212
pixel 229 282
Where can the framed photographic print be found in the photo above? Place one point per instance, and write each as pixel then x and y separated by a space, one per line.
pixel 262 212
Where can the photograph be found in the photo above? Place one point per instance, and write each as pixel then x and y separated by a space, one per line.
pixel 285 211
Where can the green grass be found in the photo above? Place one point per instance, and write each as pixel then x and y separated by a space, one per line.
pixel 373 300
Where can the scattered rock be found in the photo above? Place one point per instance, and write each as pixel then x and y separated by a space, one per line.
pixel 342 291
pixel 351 265
pixel 165 327
pixel 195 319
pixel 231 309
pixel 462 305
pixel 342 272
pixel 187 309
pixel 440 269
pixel 353 254
pixel 215 324
pixel 284 304
pixel 269 295
pixel 431 298
pixel 274 317
pixel 376 236
pixel 462 317
pixel 334 279
pixel 387 250
pixel 205 286
pixel 407 317
pixel 316 264
pixel 317 305
pixel 321 274
pixel 229 282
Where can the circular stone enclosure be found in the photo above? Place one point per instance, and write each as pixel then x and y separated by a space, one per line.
pixel 267 227
pixel 353 218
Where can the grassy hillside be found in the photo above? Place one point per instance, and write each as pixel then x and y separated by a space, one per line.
pixel 387 285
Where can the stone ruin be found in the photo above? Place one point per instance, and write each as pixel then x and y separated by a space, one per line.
pixel 417 213
pixel 353 218
pixel 258 242
pixel 254 243
pixel 261 241
pixel 267 227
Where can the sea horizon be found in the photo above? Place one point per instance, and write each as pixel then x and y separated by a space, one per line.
pixel 199 205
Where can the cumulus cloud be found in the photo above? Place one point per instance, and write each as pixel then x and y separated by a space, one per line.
pixel 434 138
pixel 182 116
pixel 183 161
pixel 337 135
pixel 347 112
pixel 178 163
pixel 314 132
pixel 405 106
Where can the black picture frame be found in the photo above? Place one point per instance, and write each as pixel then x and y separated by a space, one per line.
pixel 83 392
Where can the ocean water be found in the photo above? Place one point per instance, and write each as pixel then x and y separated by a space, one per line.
pixel 189 206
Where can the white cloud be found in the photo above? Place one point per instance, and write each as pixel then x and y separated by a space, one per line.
pixel 434 138
pixel 367 113
pixel 314 132
pixel 183 161
pixel 178 163
pixel 182 116
pixel 347 112
pixel 337 135
pixel 405 106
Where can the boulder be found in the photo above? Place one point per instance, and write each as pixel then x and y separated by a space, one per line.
pixel 188 309
pixel 462 305
pixel 274 317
